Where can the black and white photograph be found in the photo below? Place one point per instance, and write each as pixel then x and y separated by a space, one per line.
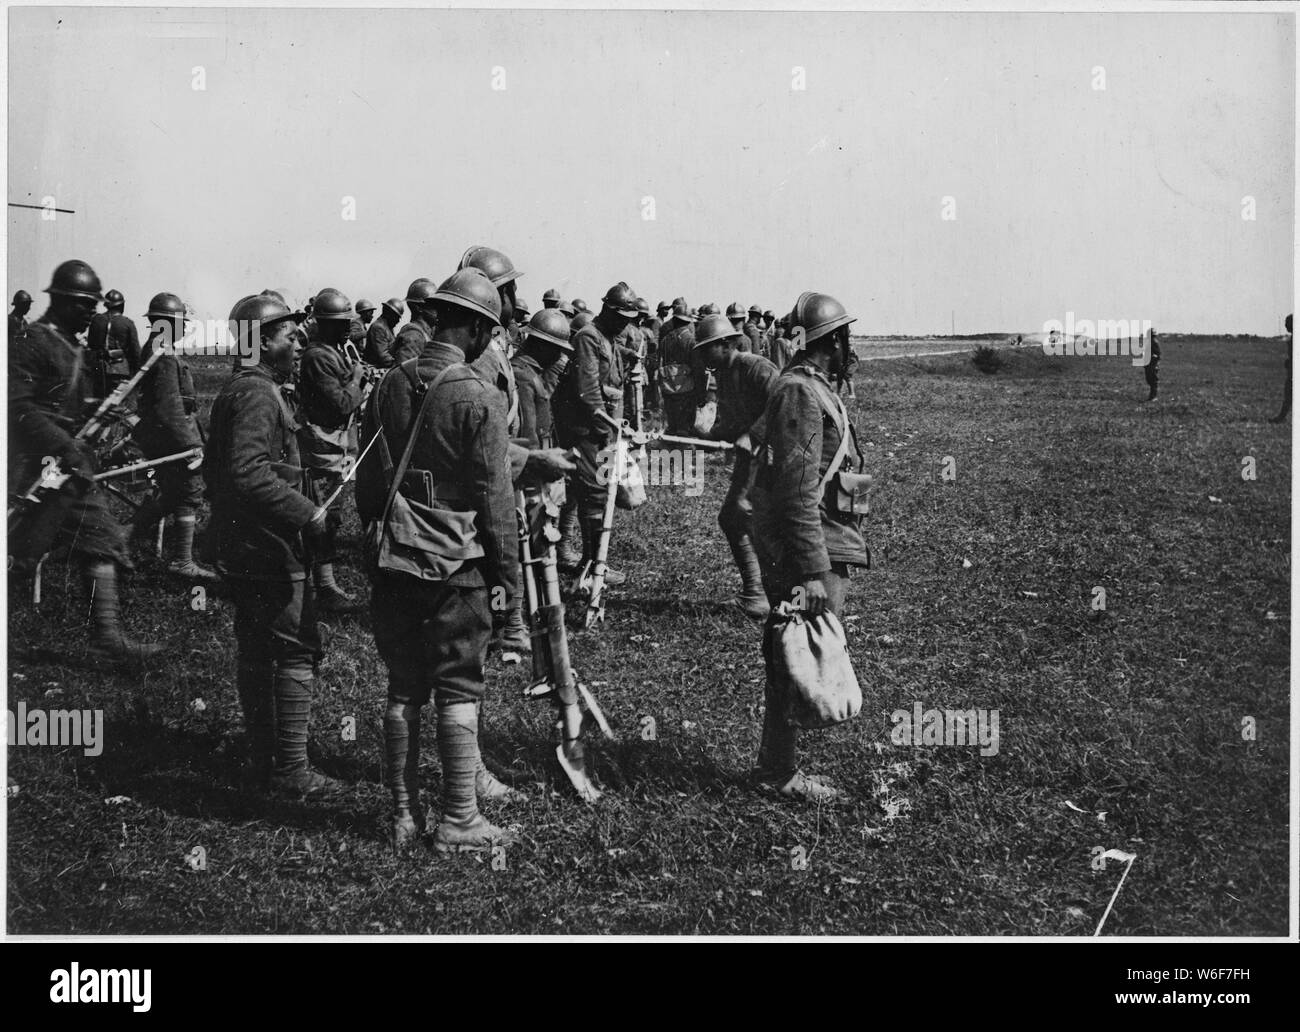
pixel 676 474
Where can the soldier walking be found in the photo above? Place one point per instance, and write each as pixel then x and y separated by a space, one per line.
pixel 47 396
pixel 806 547
pixel 745 382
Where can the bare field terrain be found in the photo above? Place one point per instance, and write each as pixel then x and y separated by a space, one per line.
pixel 1157 725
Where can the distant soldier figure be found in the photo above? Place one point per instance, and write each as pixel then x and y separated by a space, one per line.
pixel 551 299
pixel 47 401
pixel 18 317
pixel 676 372
pixel 365 312
pixel 1286 394
pixel 545 345
pixel 379 335
pixel 518 329
pixel 112 337
pixel 803 541
pixel 753 330
pixel 745 382
pixel 432 625
pixel 329 394
pixel 418 331
pixel 782 351
pixel 169 424
pixel 1152 369
pixel 769 320
pixel 589 397
pixel 633 341
pixel 262 523
pixel 580 306
pixel 653 330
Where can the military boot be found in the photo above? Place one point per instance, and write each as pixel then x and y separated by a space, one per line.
pixel 752 599
pixel 402 760
pixel 568 556
pixel 255 684
pixel 293 777
pixel 330 598
pixel 777 769
pixel 591 531
pixel 108 642
pixel 463 828
pixel 180 552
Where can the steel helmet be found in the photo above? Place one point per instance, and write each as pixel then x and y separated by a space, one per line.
pixel 21 296
pixel 755 310
pixel 643 306
pixel 818 315
pixel 735 311
pixel 420 290
pixel 568 309
pixel 714 327
pixel 580 305
pixel 395 305
pixel 679 301
pixel 767 314
pixel 710 309
pixel 552 326
pixel 580 320
pixel 521 306
pixel 332 305
pixel 166 306
pixel 680 311
pixel 268 292
pixel 75 279
pixel 551 299
pixel 114 300
pixel 500 269
pixel 663 307
pixel 622 299
pixel 471 288
pixel 257 311
pixel 365 306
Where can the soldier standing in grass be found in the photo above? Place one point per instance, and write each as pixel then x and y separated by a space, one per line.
pixel 48 391
pixel 262 524
pixel 432 631
pixel 379 335
pixel 806 548
pixel 676 370
pixel 329 392
pixel 1286 395
pixel 1152 369
pixel 168 424
pixel 745 382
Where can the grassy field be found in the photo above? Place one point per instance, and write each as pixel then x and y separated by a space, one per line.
pixel 1119 728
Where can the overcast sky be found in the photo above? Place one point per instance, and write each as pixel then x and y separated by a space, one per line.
pixel 1122 202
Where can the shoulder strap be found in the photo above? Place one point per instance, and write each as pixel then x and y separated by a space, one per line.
pixel 840 416
pixel 405 460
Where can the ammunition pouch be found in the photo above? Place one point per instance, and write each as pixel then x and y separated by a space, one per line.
pixel 846 494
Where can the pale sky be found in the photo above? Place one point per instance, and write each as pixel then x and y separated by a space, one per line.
pixel 1117 203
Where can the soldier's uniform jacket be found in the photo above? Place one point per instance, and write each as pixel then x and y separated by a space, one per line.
pixel 167 407
pixel 757 341
pixel 47 390
pixel 744 345
pixel 379 345
pixel 411 341
pixel 676 345
pixel 17 326
pixel 744 387
pixel 495 368
pixel 652 330
pixel 357 331
pixel 112 331
pixel 328 396
pixel 781 353
pixel 535 422
pixel 797 437
pixel 254 478
pixel 462 445
pixel 593 380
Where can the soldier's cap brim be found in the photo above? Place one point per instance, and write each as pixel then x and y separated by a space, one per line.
pixel 464 302
pixel 733 335
pixel 88 295
pixel 821 331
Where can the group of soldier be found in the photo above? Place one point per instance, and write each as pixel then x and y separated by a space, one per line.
pixel 447 423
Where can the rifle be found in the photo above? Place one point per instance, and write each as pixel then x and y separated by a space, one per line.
pixel 553 675
pixel 52 476
pixel 591 580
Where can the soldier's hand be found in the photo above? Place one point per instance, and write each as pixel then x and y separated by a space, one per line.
pixel 315 528
pixel 196 460
pixel 547 464
pixel 814 596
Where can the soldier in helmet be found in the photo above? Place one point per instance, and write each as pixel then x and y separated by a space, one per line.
pixel 518 329
pixel 329 392
pixel 676 370
pixel 379 337
pixel 47 400
pixel 1286 394
pixel 652 329
pixel 551 299
pixel 262 527
pixel 112 337
pixel 419 330
pixel 633 348
pixel 806 544
pixel 745 382
pixel 432 630
pixel 18 317
pixel 782 351
pixel 169 424
pixel 365 312
pixel 588 405
pixel 736 316
pixel 753 330
pixel 769 320
pixel 1152 369
pixel 580 305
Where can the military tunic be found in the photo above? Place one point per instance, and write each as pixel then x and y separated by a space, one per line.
pixel 379 345
pixel 677 377
pixel 168 424
pixel 411 341
pixel 592 382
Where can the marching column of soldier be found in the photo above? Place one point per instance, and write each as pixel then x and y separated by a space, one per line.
pixel 484 436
